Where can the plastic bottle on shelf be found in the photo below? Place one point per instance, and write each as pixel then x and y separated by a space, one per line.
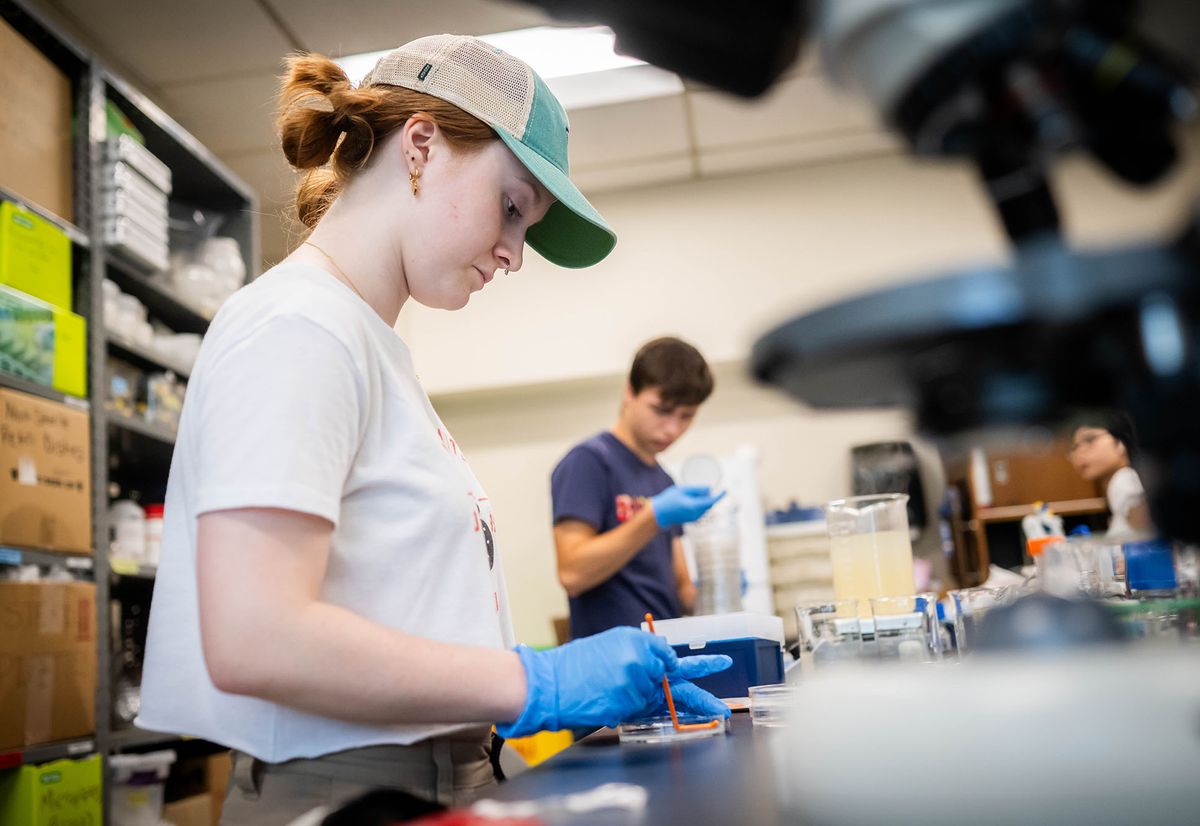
pixel 154 531
pixel 127 521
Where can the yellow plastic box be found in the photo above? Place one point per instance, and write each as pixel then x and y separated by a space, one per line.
pixel 35 256
pixel 65 791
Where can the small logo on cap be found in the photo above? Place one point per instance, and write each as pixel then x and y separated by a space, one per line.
pixel 424 71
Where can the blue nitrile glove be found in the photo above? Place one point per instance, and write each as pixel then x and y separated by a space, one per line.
pixel 593 681
pixel 679 504
pixel 693 698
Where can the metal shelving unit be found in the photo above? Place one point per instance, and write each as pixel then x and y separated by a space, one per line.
pixel 133 738
pixel 125 450
pixel 20 555
pixel 73 232
pixel 42 391
pixel 157 432
pixel 158 298
pixel 45 752
pixel 144 357
pixel 120 568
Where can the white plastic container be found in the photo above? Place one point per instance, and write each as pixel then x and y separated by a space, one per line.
pixel 129 238
pixel 696 632
pixel 127 524
pixel 753 641
pixel 125 149
pixel 154 532
pixel 137 787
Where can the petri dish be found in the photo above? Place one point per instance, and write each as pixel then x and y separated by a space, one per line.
pixel 770 704
pixel 702 470
pixel 662 730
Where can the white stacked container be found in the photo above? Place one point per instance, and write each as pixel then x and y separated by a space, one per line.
pixel 133 207
pixel 136 795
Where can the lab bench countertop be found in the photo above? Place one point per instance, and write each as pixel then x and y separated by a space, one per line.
pixel 722 780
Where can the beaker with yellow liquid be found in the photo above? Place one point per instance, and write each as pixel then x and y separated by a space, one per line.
pixel 870 547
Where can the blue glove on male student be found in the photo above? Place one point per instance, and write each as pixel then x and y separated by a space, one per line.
pixel 606 679
pixel 680 504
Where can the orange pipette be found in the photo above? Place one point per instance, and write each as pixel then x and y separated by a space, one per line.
pixel 671 700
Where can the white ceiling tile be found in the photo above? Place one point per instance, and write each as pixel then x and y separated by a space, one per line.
pixel 802 105
pixel 165 41
pixel 607 135
pixel 353 26
pixel 228 116
pixel 633 174
pixel 813 149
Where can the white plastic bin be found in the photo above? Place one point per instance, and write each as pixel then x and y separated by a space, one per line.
pixel 137 787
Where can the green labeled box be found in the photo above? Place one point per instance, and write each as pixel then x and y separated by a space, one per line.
pixel 35 256
pixel 65 791
pixel 41 343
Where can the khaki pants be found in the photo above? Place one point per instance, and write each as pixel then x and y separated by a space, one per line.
pixel 451 770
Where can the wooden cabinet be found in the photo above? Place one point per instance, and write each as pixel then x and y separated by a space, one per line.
pixel 993 485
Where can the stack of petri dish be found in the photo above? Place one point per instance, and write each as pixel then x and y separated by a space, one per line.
pixel 714 541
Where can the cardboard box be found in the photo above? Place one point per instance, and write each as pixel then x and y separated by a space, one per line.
pixel 45 474
pixel 42 343
pixel 65 791
pixel 47 662
pixel 35 132
pixel 219 767
pixel 35 256
pixel 191 811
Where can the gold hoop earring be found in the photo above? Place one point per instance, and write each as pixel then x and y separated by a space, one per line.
pixel 414 178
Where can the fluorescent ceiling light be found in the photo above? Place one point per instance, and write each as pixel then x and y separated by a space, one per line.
pixel 356 66
pixel 578 64
pixel 558 51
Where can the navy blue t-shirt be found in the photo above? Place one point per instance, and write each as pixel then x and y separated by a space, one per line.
pixel 603 483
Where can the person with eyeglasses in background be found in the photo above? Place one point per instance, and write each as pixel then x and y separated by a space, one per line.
pixel 1103 447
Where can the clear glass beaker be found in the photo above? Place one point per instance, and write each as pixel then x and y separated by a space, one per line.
pixel 970 606
pixel 907 628
pixel 830 632
pixel 771 704
pixel 870 547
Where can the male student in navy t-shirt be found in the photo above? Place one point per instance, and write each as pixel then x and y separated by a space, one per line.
pixel 617 514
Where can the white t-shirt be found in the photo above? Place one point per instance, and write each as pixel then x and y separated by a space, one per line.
pixel 304 399
pixel 1124 493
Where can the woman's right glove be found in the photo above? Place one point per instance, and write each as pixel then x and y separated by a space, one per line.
pixel 604 680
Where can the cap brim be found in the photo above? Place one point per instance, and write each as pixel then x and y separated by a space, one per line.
pixel 572 233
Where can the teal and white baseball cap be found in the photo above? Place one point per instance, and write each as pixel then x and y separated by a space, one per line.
pixel 508 96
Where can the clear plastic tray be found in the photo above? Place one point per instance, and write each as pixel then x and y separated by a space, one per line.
pixel 124 148
pixel 662 730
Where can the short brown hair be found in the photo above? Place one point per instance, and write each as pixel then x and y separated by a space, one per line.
pixel 329 127
pixel 675 368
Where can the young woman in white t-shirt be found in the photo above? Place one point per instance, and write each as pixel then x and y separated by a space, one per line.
pixel 331 601
pixel 1102 445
